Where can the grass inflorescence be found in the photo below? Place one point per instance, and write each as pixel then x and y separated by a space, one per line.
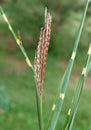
pixel 38 70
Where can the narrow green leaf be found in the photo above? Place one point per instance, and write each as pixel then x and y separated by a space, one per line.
pixel 57 106
pixel 75 101
pixel 17 39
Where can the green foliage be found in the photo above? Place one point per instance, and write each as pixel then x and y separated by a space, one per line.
pixel 4 99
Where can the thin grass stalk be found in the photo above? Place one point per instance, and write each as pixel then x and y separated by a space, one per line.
pixel 39 107
pixel 57 105
pixel 80 87
pixel 76 98
pixel 18 41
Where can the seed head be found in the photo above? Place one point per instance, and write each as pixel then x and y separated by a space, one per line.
pixel 42 51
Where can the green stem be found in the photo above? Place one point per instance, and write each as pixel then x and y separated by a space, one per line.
pixel 39 107
pixel 16 39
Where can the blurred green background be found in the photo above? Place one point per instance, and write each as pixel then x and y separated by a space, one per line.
pixel 17 88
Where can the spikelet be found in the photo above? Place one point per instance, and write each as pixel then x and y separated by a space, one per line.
pixel 42 51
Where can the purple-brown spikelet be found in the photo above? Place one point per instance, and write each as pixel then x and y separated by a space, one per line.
pixel 42 51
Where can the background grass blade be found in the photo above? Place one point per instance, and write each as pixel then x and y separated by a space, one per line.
pixel 75 102
pixel 57 106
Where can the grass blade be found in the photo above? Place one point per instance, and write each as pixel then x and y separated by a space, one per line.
pixel 57 106
pixel 16 39
pixel 75 102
